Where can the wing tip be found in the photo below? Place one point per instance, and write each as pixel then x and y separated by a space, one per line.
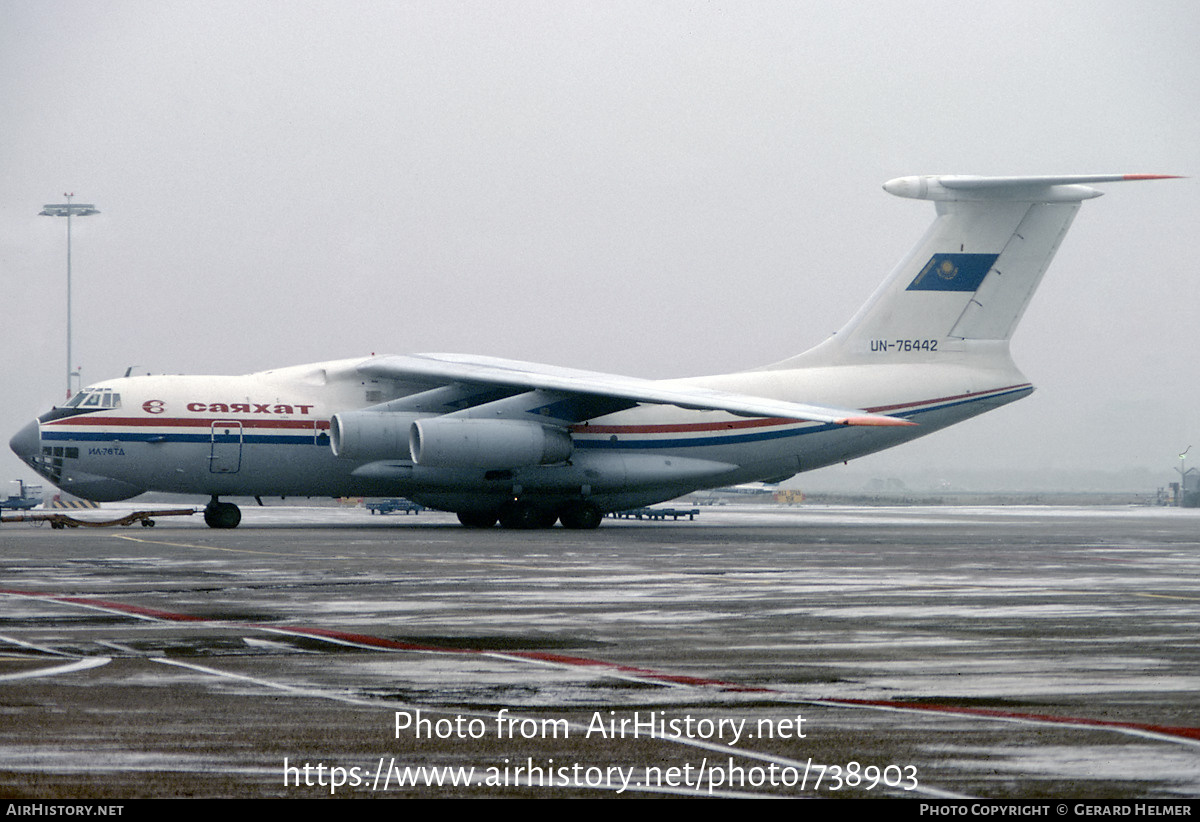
pixel 875 420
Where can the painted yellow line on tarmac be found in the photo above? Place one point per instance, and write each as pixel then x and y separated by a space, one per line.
pixel 207 547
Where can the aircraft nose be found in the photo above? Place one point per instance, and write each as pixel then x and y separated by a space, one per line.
pixel 27 443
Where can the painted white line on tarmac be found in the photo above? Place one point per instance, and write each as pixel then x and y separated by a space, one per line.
pixel 69 668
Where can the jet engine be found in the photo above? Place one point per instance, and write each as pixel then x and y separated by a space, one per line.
pixel 370 435
pixel 488 444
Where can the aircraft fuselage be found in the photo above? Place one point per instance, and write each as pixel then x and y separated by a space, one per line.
pixel 268 434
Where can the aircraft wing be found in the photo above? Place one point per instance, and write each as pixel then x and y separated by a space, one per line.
pixel 447 369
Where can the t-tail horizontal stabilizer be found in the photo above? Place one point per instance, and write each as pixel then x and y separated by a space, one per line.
pixel 1061 188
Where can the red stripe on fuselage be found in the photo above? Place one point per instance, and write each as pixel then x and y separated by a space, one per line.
pixel 183 422
pixel 879 409
pixel 103 420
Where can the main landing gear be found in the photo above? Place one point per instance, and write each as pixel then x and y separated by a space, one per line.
pixel 477 519
pixel 527 516
pixel 580 516
pixel 221 514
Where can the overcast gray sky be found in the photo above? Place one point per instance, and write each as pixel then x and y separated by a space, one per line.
pixel 657 189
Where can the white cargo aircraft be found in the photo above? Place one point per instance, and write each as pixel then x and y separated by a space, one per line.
pixel 528 445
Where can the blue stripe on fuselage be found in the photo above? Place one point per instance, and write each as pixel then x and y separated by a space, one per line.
pixel 122 436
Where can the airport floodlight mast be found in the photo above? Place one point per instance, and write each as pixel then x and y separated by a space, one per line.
pixel 1183 474
pixel 68 210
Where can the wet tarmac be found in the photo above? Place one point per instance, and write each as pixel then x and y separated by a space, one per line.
pixel 1015 652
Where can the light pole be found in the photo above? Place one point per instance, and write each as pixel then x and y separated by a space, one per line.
pixel 68 210
pixel 1183 472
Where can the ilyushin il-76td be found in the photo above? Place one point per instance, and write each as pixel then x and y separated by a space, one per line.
pixel 530 445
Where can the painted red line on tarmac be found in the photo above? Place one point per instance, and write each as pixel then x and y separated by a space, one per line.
pixel 646 673
pixel 561 659
pixel 540 656
pixel 1183 732
pixel 362 639
pixel 132 609
pixel 1168 730
pixel 111 606
pixel 369 641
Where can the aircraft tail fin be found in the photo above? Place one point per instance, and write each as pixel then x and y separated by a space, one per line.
pixel 971 276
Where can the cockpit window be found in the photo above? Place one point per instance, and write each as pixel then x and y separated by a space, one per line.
pixel 95 398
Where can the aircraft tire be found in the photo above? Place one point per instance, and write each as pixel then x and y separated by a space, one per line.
pixel 478 519
pixel 222 515
pixel 524 516
pixel 581 516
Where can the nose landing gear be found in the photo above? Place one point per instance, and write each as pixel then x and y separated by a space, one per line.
pixel 221 514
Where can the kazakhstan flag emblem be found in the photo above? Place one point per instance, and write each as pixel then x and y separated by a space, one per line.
pixel 953 272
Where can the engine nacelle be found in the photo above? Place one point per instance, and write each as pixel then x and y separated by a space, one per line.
pixel 371 435
pixel 488 444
